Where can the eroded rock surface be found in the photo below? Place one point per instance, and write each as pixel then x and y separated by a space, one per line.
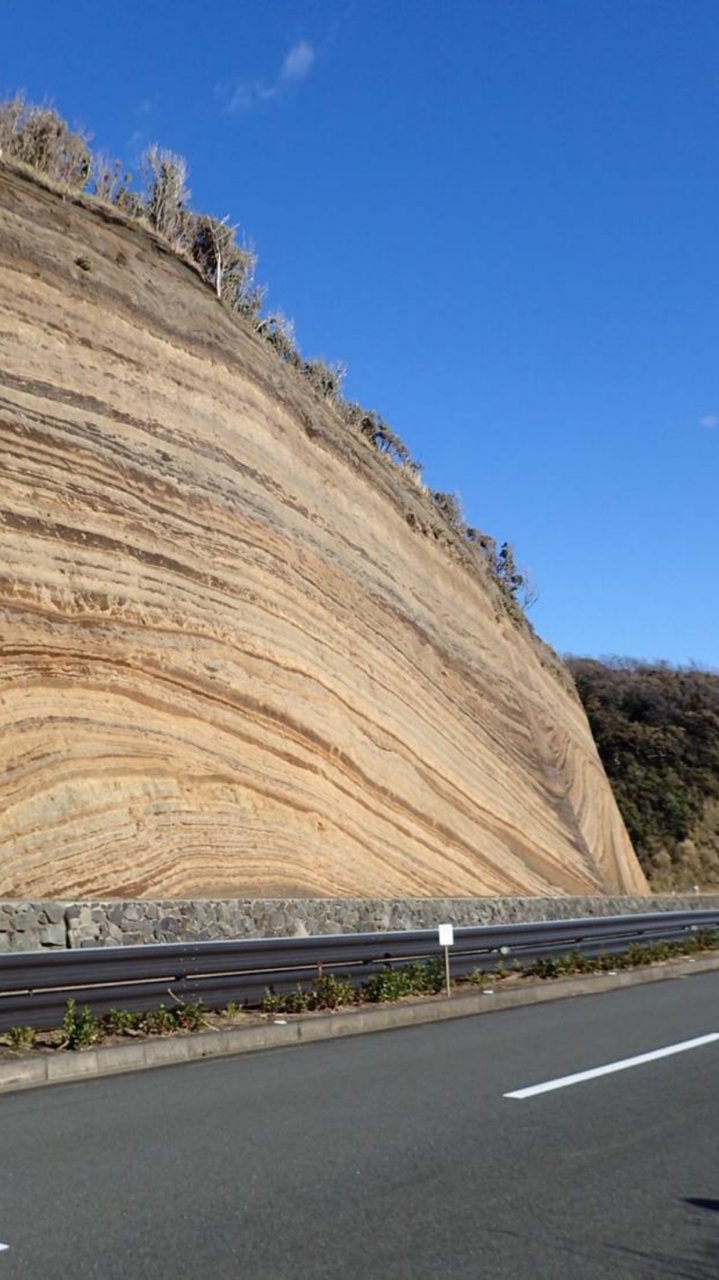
pixel 235 659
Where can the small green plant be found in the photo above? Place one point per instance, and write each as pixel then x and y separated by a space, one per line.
pixel 690 945
pixel 388 984
pixel 21 1037
pixel 477 977
pixel 119 1022
pixel 159 1022
pixel 272 1003
pixel 231 1009
pixel 416 979
pixel 435 978
pixel 80 1026
pixel 611 962
pixel 189 1017
pixel 545 967
pixel 330 992
pixel 297 1001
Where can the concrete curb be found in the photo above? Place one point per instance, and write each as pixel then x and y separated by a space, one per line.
pixel 32 1070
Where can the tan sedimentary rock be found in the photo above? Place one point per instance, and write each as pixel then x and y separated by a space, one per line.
pixel 235 655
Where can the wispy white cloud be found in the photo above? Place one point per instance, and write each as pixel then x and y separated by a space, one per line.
pixel 710 420
pixel 135 144
pixel 246 95
pixel 140 136
pixel 298 62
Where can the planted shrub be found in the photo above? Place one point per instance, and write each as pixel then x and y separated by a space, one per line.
pixel 80 1026
pixel 121 1022
pixel 415 979
pixel 330 992
pixel 272 1003
pixel 188 1017
pixel 297 1001
pixel 159 1021
pixel 21 1037
pixel 388 984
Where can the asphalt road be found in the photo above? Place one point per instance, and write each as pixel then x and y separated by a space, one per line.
pixel 390 1156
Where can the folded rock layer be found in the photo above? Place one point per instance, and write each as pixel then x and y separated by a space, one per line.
pixel 238 653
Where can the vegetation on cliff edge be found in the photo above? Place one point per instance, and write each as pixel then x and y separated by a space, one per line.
pixel 37 137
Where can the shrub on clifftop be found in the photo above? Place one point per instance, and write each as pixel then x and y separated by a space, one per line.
pixel 39 137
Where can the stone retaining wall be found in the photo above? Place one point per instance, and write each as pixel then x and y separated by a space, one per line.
pixel 35 926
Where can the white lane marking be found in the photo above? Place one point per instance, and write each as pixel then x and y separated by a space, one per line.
pixel 4 1246
pixel 610 1067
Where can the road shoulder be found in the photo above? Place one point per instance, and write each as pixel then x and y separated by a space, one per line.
pixel 34 1069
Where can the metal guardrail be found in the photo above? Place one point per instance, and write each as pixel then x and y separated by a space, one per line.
pixel 35 986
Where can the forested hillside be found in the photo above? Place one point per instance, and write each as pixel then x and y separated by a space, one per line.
pixel 657 729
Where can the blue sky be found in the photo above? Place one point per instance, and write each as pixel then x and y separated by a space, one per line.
pixel 502 215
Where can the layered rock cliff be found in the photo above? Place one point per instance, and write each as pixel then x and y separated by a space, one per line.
pixel 235 657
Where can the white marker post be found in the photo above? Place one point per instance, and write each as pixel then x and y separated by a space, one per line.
pixel 446 940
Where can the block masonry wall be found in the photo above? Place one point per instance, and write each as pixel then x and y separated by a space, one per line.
pixel 35 926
